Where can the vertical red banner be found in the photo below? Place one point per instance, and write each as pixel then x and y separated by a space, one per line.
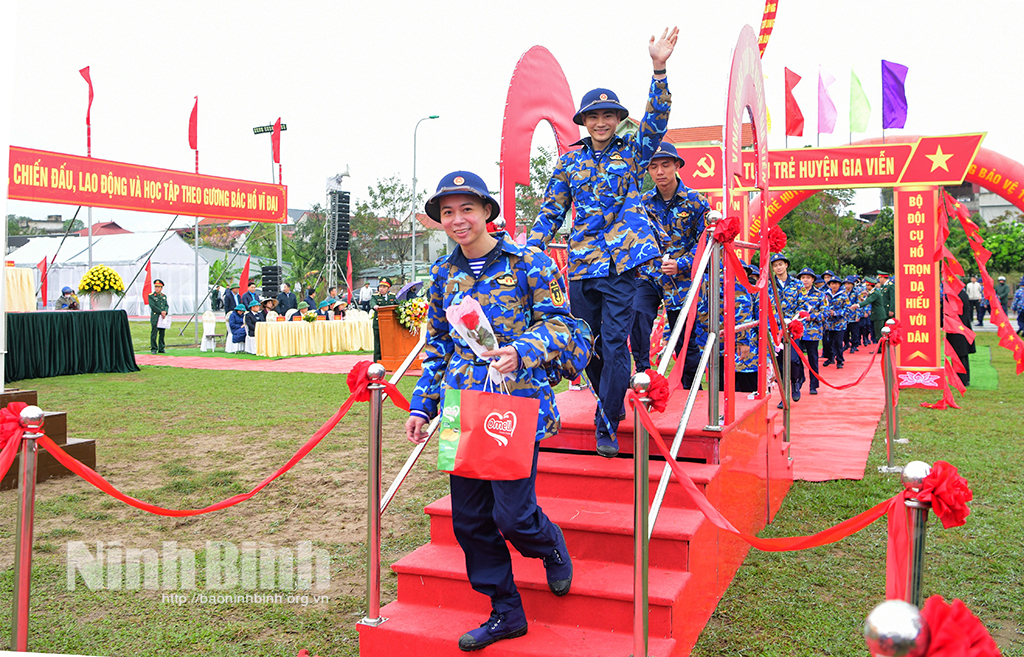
pixel 919 357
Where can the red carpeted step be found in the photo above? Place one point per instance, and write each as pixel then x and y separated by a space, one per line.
pixel 601 596
pixel 596 530
pixel 593 477
pixel 432 631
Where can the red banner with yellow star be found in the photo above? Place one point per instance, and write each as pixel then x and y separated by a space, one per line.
pixel 919 356
pixel 929 161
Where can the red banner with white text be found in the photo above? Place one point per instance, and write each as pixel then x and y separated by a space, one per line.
pixel 48 177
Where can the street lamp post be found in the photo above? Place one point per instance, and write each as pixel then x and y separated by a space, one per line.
pixel 413 201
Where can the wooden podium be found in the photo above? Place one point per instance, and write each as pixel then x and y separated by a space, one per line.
pixel 395 340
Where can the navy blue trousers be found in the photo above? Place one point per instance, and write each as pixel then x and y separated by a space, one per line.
pixel 810 348
pixel 835 341
pixel 606 304
pixel 645 308
pixel 487 513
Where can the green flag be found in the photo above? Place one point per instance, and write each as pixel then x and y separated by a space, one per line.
pixel 860 108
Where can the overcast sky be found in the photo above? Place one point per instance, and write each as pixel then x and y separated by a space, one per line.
pixel 351 79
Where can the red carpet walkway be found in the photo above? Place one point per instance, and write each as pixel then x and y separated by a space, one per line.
pixel 337 364
pixel 832 431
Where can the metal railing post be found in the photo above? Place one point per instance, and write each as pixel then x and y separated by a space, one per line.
pixel 887 376
pixel 714 321
pixel 786 387
pixel 640 383
pixel 913 475
pixel 895 384
pixel 32 422
pixel 896 628
pixel 375 373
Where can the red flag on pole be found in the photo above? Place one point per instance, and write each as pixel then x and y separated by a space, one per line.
pixel 243 280
pixel 147 287
pixel 794 117
pixel 275 141
pixel 348 277
pixel 193 126
pixel 42 279
pixel 88 111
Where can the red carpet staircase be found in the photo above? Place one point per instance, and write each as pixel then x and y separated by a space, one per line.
pixel 591 499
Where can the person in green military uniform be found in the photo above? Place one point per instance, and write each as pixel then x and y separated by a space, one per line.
pixel 382 298
pixel 879 308
pixel 888 286
pixel 157 309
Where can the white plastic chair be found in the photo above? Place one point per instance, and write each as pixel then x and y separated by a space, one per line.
pixel 210 335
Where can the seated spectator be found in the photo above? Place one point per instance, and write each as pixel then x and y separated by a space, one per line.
pixel 236 324
pixel 267 307
pixel 325 307
pixel 68 300
pixel 253 317
pixel 302 311
pixel 339 309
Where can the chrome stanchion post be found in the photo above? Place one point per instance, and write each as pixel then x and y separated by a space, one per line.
pixel 887 376
pixel 896 629
pixel 640 383
pixel 714 321
pixel 32 423
pixel 913 475
pixel 895 383
pixel 375 373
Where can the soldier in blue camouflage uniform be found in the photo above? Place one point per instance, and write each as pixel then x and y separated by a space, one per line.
pixel 851 339
pixel 808 305
pixel 836 306
pixel 611 234
pixel 821 284
pixel 745 347
pixel 678 214
pixel 520 293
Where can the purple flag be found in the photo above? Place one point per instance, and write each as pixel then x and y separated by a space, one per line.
pixel 826 108
pixel 894 95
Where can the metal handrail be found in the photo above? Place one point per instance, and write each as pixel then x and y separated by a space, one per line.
pixel 677 442
pixel 691 294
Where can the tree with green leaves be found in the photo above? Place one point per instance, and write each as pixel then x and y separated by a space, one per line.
pixel 19 226
pixel 381 226
pixel 530 197
pixel 821 231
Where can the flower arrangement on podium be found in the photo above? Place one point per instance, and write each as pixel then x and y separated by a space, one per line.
pixel 309 318
pixel 412 314
pixel 101 282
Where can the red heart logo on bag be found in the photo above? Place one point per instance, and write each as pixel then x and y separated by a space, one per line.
pixel 500 426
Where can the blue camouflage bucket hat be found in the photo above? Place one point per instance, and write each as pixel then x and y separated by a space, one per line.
pixel 667 150
pixel 461 182
pixel 779 256
pixel 807 271
pixel 599 99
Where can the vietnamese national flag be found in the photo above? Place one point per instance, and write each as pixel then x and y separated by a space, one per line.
pixel 193 127
pixel 42 279
pixel 348 277
pixel 88 78
pixel 243 280
pixel 275 141
pixel 147 287
pixel 794 117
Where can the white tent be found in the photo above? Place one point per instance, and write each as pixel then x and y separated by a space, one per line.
pixel 173 262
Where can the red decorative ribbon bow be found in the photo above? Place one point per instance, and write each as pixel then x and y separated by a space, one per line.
pixel 948 492
pixel 955 631
pixel 895 333
pixel 796 329
pixel 658 392
pixel 776 239
pixel 727 229
pixel 10 423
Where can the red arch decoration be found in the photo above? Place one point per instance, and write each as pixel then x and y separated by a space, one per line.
pixel 538 91
pixel 993 171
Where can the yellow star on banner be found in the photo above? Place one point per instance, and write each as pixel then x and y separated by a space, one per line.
pixel 939 159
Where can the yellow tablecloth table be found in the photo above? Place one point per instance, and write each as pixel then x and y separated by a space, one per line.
pixel 21 291
pixel 321 337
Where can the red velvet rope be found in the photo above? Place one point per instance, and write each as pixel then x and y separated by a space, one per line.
pixel 807 366
pixel 944 483
pixel 359 392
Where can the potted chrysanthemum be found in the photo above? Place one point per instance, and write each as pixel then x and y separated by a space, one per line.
pixel 101 283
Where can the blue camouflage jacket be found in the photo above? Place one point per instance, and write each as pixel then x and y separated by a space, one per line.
pixel 611 230
pixel 836 307
pixel 527 308
pixel 679 223
pixel 1018 300
pixel 745 312
pixel 812 301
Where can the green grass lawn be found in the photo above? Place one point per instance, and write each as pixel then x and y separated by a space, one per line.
pixel 187 438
